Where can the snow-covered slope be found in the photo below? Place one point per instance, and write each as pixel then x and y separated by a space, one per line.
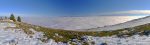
pixel 14 36
pixel 133 40
pixel 9 35
pixel 132 23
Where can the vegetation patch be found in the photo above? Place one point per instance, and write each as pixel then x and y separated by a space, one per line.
pixel 66 35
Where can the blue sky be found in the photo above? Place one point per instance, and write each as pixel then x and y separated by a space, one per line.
pixel 74 7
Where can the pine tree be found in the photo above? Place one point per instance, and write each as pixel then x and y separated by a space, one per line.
pixel 19 19
pixel 12 17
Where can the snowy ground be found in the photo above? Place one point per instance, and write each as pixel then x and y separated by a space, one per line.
pixel 18 37
pixel 133 40
pixel 12 36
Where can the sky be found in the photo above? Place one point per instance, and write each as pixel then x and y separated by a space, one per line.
pixel 74 7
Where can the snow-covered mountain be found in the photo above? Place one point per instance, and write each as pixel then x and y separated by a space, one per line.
pixel 128 24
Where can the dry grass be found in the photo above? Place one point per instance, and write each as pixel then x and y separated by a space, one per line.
pixel 67 35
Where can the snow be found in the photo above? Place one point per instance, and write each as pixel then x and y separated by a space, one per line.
pixel 12 36
pixel 133 40
pixel 6 24
pixel 18 37
pixel 128 24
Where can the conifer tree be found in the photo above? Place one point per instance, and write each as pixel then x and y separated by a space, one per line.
pixel 12 17
pixel 19 19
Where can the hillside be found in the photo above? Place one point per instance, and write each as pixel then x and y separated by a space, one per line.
pixel 10 34
pixel 128 24
pixel 19 33
pixel 127 36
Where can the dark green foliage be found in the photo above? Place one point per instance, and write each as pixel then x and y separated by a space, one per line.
pixel 12 17
pixel 18 19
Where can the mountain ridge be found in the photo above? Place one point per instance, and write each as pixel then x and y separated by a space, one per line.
pixel 128 24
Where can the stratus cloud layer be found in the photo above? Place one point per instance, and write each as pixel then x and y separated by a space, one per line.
pixel 137 12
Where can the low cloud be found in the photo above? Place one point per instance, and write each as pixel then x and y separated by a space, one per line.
pixel 130 12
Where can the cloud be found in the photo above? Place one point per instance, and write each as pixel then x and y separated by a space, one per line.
pixel 129 12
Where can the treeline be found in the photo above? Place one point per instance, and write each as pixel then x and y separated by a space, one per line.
pixel 12 17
